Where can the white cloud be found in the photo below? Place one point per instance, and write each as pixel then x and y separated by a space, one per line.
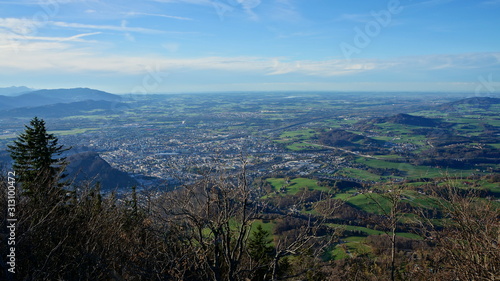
pixel 16 35
pixel 324 68
pixel 65 57
pixel 122 27
pixel 44 2
pixel 221 7
pixel 58 57
pixel 19 2
pixel 27 28
pixel 68 54
pixel 428 4
pixel 196 2
pixel 74 38
pixel 285 11
pixel 20 26
pixel 156 15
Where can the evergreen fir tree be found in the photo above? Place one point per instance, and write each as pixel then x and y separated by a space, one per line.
pixel 35 158
pixel 259 245
pixel 261 251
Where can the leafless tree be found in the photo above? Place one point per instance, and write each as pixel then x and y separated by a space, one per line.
pixel 469 237
pixel 390 210
pixel 213 218
pixel 309 239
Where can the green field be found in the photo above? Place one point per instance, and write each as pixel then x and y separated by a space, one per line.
pixel 73 131
pixel 368 231
pixel 414 172
pixel 266 225
pixel 293 186
pixel 378 203
pixel 348 247
pixel 300 134
pixel 358 174
pixel 366 204
pixel 299 146
pixel 298 140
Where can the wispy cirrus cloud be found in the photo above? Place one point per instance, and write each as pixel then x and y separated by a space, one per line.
pixel 197 2
pixel 19 25
pixel 64 57
pixel 28 26
pixel 156 15
pixel 428 4
pixel 325 68
pixel 65 54
pixel 44 2
pixel 221 7
pixel 74 38
pixel 123 27
pixel 282 35
pixel 285 11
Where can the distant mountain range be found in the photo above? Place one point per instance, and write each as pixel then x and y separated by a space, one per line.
pixel 46 97
pixel 15 91
pixel 56 102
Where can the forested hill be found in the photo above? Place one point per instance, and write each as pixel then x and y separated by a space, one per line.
pixel 89 166
pixel 478 102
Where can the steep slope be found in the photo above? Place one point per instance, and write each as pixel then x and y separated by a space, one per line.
pixel 89 166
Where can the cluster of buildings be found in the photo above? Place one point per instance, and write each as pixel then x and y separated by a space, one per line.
pixel 181 152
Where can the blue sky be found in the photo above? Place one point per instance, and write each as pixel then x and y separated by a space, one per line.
pixel 171 46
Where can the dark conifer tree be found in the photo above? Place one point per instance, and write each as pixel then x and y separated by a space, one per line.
pixel 36 162
pixel 261 251
pixel 259 244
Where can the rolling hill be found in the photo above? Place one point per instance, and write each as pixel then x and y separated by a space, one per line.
pixel 476 102
pixel 401 119
pixel 411 120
